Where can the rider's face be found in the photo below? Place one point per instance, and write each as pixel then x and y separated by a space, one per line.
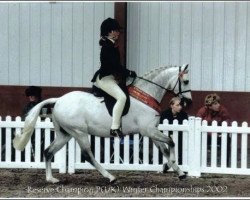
pixel 114 35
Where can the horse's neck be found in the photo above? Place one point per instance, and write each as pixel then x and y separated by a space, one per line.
pixel 162 78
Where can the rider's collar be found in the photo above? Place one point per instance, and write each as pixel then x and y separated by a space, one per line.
pixel 111 40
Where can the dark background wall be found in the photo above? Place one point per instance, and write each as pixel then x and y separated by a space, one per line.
pixel 237 103
pixel 13 99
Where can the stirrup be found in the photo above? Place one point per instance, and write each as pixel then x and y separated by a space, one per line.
pixel 116 133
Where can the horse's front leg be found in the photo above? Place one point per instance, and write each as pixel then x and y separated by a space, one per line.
pixel 167 153
pixel 152 132
pixel 156 135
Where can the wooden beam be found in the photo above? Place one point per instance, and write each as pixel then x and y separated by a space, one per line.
pixel 121 16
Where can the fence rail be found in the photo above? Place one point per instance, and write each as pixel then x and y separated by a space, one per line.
pixel 205 148
pixel 32 156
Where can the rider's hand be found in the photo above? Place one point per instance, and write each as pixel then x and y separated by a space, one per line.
pixel 132 74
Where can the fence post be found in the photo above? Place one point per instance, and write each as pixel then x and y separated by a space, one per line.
pixel 194 154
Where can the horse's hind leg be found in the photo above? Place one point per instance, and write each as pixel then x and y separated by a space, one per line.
pixel 165 151
pixel 61 139
pixel 83 142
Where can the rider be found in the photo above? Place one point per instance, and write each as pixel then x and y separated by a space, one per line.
pixel 111 72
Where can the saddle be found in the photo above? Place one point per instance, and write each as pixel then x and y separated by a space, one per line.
pixel 132 91
pixel 110 101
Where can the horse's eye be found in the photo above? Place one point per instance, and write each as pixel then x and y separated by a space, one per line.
pixel 186 82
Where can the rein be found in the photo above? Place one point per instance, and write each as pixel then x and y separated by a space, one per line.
pixel 172 91
pixel 179 81
pixel 154 83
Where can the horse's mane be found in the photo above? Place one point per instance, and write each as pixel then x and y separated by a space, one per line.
pixel 154 72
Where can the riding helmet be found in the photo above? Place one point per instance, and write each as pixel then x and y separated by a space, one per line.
pixel 33 91
pixel 109 25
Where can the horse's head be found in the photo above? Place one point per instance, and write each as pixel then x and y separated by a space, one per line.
pixel 168 78
pixel 180 85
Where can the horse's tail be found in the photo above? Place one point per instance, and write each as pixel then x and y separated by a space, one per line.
pixel 20 141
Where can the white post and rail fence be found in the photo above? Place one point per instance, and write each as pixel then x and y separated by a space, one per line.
pixel 205 148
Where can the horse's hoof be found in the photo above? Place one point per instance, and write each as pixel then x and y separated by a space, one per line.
pixel 113 180
pixel 53 180
pixel 182 177
pixel 165 168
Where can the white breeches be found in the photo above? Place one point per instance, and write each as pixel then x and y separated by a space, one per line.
pixel 109 85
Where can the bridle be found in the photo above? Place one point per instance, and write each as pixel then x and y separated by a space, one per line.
pixel 179 94
pixel 179 81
